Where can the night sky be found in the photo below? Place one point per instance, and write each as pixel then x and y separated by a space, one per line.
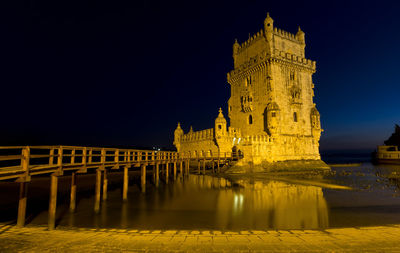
pixel 109 73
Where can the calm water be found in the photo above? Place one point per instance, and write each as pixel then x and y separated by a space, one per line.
pixel 206 202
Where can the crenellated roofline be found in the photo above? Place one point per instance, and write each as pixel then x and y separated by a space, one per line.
pixel 261 61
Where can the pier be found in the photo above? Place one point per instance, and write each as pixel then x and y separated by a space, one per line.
pixel 21 163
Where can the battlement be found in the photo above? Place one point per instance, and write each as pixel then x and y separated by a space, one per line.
pixel 263 44
pixel 252 63
pixel 294 59
pixel 257 139
pixel 259 35
pixel 286 35
pixel 206 134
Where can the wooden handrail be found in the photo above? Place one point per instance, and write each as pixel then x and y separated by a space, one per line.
pixel 49 159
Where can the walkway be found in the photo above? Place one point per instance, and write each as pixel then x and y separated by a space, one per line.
pixel 40 239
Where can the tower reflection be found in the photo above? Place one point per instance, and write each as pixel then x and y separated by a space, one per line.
pixel 272 204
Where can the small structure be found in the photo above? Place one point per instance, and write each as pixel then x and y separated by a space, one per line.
pixel 387 154
pixel 210 142
pixel 390 152
pixel 271 110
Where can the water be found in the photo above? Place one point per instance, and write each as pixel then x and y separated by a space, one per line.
pixel 215 203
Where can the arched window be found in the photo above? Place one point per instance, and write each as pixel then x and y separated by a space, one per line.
pixel 295 116
pixel 250 119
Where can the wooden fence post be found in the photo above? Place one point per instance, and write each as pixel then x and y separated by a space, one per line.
pixel 72 203
pixel 125 185
pixel 23 187
pixel 23 193
pixel 53 201
pixel 166 172
pixel 105 184
pixel 97 191
pixel 143 178
pixel 175 164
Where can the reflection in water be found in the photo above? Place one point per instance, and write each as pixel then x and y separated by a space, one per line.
pixel 205 202
pixel 273 205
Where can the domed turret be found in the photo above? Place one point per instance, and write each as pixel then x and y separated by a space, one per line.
pixel 220 124
pixel 272 113
pixel 235 48
pixel 300 36
pixel 177 136
pixel 268 27
pixel 315 124
pixel 235 51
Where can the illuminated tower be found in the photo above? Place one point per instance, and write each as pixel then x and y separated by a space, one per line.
pixel 272 97
pixel 272 114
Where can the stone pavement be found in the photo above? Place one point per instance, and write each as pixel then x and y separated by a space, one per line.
pixel 39 239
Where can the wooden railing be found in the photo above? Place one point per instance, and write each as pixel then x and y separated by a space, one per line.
pixel 24 161
pixel 20 163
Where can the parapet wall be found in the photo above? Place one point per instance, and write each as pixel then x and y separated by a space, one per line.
pixel 258 36
pixel 286 35
pixel 295 59
pixel 259 62
pixel 205 134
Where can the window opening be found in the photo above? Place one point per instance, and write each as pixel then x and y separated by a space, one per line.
pixel 250 120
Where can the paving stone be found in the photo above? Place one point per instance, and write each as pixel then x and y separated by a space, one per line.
pixel 204 239
pixel 220 239
pixel 258 232
pixel 178 238
pixel 230 233
pixel 39 239
pixel 207 233
pixel 283 232
pixel 170 232
pixel 191 239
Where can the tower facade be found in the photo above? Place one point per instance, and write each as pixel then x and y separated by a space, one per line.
pixel 271 110
pixel 272 97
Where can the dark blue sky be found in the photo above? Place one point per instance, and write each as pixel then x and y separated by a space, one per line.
pixel 108 73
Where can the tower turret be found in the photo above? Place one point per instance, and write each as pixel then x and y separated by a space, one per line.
pixel 268 31
pixel 300 36
pixel 235 51
pixel 268 27
pixel 315 124
pixel 220 125
pixel 272 116
pixel 177 136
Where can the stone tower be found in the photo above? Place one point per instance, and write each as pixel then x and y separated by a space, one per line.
pixel 272 97
pixel 271 110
